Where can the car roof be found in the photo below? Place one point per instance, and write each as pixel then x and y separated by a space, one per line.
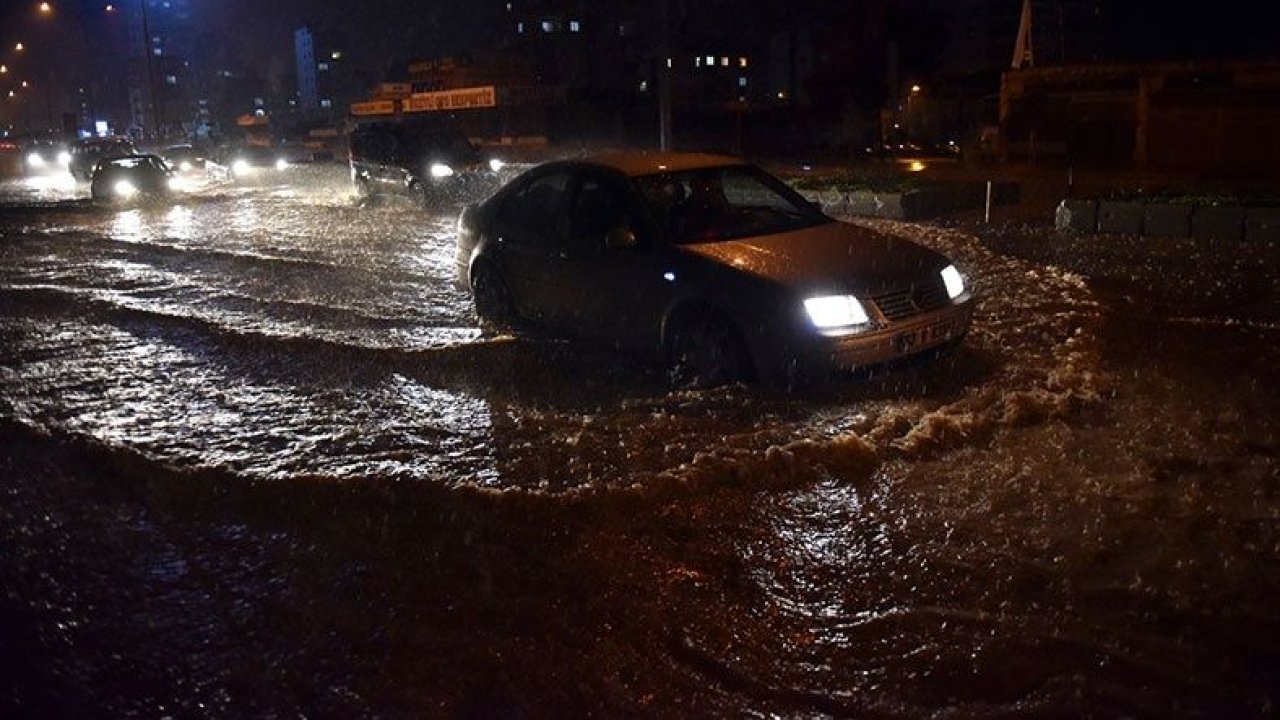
pixel 129 160
pixel 640 163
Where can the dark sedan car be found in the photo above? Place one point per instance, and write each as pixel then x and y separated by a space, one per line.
pixel 708 263
pixel 183 158
pixel 85 154
pixel 428 159
pixel 131 178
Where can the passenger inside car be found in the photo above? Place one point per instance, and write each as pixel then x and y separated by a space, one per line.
pixel 706 208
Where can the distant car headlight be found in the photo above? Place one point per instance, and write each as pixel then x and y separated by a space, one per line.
pixel 495 164
pixel 64 158
pixel 951 278
pixel 185 166
pixel 240 167
pixel 833 311
pixel 34 160
pixel 282 164
pixel 125 189
pixel 440 170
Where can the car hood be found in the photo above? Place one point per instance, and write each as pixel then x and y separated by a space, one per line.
pixel 834 257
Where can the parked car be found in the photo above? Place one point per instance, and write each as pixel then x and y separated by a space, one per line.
pixel 426 158
pixel 131 178
pixel 707 263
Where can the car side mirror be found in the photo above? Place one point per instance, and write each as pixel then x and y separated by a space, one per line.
pixel 621 238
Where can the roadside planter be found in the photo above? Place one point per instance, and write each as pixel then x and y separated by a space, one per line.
pixel 1167 220
pixel 909 203
pixel 1217 222
pixel 1212 218
pixel 1077 215
pixel 1120 217
pixel 1262 224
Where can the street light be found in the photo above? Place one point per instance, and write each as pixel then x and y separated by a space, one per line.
pixel 46 8
pixel 19 47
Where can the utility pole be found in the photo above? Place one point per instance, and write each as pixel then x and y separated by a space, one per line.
pixel 151 78
pixel 664 78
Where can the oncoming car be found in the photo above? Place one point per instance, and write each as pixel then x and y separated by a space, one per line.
pixel 428 159
pixel 706 263
pixel 256 162
pixel 45 157
pixel 131 178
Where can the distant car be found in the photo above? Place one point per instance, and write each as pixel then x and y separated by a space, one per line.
pixel 707 263
pixel 425 158
pixel 86 153
pixel 45 157
pixel 131 178
pixel 183 158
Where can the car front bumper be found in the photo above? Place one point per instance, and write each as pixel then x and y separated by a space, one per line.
pixel 903 340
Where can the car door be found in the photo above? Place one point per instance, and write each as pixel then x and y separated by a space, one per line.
pixel 615 294
pixel 529 230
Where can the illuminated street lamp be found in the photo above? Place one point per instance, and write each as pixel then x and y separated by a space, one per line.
pixel 46 8
pixel 4 69
pixel 19 47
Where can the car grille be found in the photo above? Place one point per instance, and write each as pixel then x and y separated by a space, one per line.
pixel 917 299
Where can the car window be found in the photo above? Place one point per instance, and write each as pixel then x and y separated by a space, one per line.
pixel 723 203
pixel 535 214
pixel 599 205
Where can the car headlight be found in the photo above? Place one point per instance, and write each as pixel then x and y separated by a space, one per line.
pixel 833 311
pixel 440 170
pixel 64 158
pixel 282 164
pixel 185 166
pixel 240 167
pixel 34 160
pixel 125 189
pixel 495 164
pixel 951 278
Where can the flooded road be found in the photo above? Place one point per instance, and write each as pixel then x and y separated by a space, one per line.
pixel 260 461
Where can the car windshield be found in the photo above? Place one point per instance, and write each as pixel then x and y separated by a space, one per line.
pixel 724 203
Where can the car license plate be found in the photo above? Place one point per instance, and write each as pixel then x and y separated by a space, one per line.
pixel 910 340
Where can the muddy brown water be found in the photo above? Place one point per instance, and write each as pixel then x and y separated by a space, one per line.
pixel 259 461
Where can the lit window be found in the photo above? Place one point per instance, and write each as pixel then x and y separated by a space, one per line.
pixel 326 103
pixel 574 26
pixel 644 85
pixel 742 82
pixel 322 67
pixel 157 51
pixel 548 26
pixel 742 62
pixel 337 55
pixel 171 79
pixel 724 62
pixel 668 62
pixel 711 60
pixel 520 27
pixel 697 62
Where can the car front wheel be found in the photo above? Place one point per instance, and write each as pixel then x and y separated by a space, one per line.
pixel 493 300
pixel 707 352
